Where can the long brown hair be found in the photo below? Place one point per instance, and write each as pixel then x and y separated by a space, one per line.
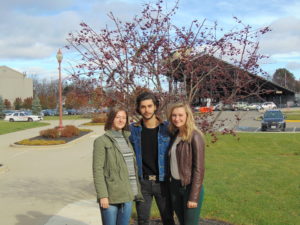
pixel 190 124
pixel 111 115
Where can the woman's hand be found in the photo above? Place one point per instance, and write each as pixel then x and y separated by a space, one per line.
pixel 104 203
pixel 192 204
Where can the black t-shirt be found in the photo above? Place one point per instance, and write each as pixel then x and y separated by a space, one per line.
pixel 149 150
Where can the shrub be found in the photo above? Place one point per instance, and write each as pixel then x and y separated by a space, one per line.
pixel 87 115
pixel 67 131
pixel 70 131
pixel 99 118
pixel 50 133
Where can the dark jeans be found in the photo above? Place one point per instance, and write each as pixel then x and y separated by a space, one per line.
pixel 160 191
pixel 180 196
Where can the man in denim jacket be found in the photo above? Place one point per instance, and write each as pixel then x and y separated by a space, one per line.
pixel 150 140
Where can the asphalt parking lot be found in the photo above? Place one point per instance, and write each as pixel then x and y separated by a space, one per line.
pixel 248 122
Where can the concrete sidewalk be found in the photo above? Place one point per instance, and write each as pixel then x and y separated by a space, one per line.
pixel 84 212
pixel 48 186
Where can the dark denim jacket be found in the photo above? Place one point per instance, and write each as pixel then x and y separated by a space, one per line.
pixel 163 146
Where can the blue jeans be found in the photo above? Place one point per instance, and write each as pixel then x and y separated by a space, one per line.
pixel 116 214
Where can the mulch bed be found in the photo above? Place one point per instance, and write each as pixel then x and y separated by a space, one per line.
pixel 201 222
pixel 67 139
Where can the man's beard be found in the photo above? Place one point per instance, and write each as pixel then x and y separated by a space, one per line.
pixel 145 118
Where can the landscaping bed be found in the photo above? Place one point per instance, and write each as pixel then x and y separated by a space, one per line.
pixel 41 140
pixel 65 117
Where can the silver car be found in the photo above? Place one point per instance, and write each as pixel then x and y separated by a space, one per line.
pixel 268 105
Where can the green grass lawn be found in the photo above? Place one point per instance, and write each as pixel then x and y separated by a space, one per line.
pixel 8 127
pixel 292 115
pixel 254 180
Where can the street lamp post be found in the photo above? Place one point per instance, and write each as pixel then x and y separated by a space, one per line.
pixel 59 58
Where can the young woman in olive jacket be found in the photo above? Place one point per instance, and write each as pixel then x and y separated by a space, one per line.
pixel 186 160
pixel 114 170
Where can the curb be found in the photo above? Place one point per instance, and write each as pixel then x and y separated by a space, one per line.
pixel 292 121
pixel 71 143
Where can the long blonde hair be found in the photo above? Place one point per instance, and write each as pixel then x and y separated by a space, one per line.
pixel 190 124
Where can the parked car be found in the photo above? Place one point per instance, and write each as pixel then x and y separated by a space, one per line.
pixel 56 112
pixel 196 108
pixel 225 107
pixel 273 120
pixel 8 112
pixel 28 112
pixel 240 106
pixel 72 112
pixel 48 112
pixel 254 106
pixel 21 116
pixel 268 105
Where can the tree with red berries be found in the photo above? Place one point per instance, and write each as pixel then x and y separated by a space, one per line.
pixel 194 62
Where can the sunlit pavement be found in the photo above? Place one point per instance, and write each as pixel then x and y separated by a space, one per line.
pixel 84 212
pixel 48 186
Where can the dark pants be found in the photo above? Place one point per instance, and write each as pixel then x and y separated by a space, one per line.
pixel 160 191
pixel 180 196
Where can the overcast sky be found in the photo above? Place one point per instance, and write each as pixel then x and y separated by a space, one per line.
pixel 32 31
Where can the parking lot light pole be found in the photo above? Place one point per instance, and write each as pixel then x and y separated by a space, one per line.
pixel 59 58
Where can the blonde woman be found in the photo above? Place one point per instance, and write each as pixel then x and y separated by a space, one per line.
pixel 186 159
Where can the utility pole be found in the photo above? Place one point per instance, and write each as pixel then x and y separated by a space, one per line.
pixel 59 57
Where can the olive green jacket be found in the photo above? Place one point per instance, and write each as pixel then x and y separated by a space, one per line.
pixel 110 171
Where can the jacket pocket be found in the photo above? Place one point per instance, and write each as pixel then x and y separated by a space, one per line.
pixel 112 187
